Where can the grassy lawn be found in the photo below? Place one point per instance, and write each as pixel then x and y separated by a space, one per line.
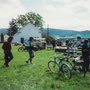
pixel 20 76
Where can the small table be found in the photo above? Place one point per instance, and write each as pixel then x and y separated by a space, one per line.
pixel 49 47
pixel 60 49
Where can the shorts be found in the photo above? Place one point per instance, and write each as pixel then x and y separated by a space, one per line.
pixel 31 52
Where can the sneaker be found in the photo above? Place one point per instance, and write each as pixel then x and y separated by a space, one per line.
pixel 6 65
pixel 31 62
pixel 27 62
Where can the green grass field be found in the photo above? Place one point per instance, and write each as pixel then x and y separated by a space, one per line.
pixel 20 76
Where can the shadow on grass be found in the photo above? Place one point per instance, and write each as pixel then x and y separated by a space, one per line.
pixel 3 67
pixel 19 66
pixel 55 76
pixel 24 65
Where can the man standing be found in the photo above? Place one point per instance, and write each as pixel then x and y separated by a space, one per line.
pixel 89 52
pixel 53 43
pixel 30 50
pixel 85 55
pixel 7 51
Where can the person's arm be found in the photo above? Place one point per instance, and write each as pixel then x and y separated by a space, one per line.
pixel 3 46
pixel 82 51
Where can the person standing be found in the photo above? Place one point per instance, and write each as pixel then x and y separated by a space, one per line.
pixel 85 55
pixel 30 50
pixel 89 52
pixel 7 51
pixel 53 43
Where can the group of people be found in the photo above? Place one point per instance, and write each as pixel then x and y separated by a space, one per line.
pixel 8 53
pixel 9 56
pixel 71 42
pixel 85 46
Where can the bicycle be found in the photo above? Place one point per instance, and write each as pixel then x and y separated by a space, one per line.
pixel 22 48
pixel 57 67
pixel 76 64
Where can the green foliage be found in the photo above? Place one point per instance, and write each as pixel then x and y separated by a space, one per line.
pixel 13 27
pixel 50 38
pixel 35 19
pixel 2 37
pixel 21 20
pixel 22 76
pixel 30 17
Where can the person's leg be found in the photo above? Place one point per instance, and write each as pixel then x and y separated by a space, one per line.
pixel 31 54
pixel 6 59
pixel 87 63
pixel 31 59
pixel 10 57
pixel 84 68
pixel 53 47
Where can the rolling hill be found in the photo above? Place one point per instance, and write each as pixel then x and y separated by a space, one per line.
pixel 61 32
pixel 67 33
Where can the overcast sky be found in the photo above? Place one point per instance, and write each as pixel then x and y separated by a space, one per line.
pixel 62 14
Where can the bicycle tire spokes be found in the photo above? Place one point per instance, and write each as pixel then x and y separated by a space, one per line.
pixel 53 67
pixel 20 49
pixel 66 71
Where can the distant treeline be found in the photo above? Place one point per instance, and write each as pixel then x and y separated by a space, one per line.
pixel 67 33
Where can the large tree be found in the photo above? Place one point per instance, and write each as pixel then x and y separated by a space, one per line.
pixel 30 17
pixel 13 28
pixel 22 20
pixel 35 19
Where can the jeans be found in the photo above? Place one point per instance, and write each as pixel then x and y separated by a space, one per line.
pixel 86 63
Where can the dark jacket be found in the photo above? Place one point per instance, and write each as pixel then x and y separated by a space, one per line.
pixel 85 50
pixel 6 46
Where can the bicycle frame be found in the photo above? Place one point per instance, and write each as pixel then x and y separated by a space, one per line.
pixel 60 63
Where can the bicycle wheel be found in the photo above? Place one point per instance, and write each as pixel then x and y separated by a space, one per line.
pixel 20 49
pixel 66 70
pixel 53 66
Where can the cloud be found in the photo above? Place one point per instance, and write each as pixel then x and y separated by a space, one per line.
pixel 10 9
pixel 80 9
pixel 67 14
